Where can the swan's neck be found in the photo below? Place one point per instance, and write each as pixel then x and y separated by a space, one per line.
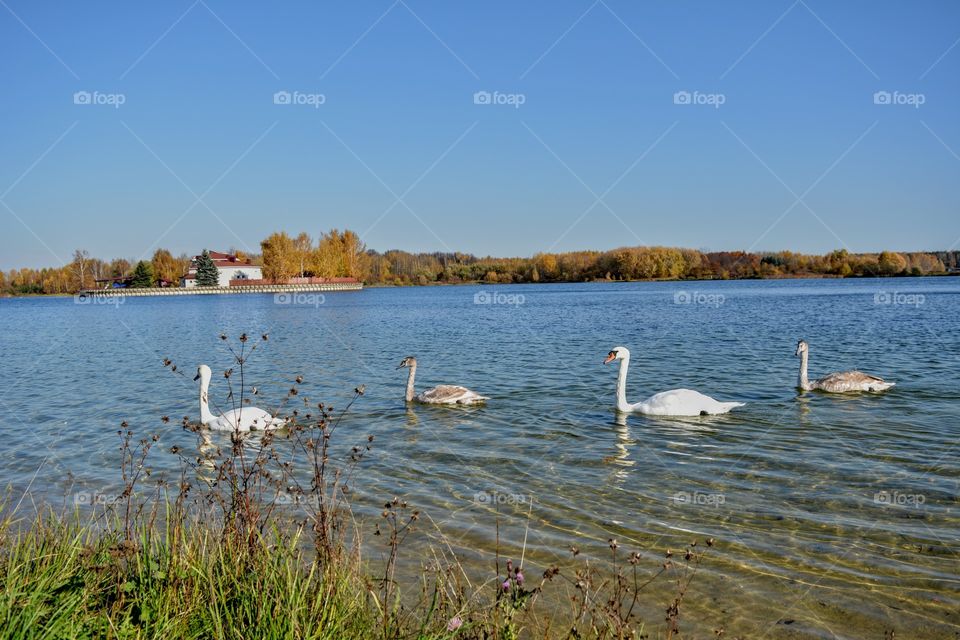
pixel 622 404
pixel 410 376
pixel 205 416
pixel 802 381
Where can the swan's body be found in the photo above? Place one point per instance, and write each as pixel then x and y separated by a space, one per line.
pixel 441 394
pixel 240 419
pixel 840 382
pixel 676 402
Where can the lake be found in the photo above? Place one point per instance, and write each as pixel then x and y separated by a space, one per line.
pixel 833 516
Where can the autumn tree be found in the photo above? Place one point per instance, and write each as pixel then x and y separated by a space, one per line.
pixel 81 260
pixel 118 267
pixel 302 250
pixel 279 257
pixel 891 263
pixel 165 266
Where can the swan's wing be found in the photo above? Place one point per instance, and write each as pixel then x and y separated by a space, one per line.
pixel 851 381
pixel 247 419
pixel 684 402
pixel 676 402
pixel 449 394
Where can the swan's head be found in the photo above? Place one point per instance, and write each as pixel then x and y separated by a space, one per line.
pixel 617 353
pixel 801 348
pixel 409 361
pixel 203 373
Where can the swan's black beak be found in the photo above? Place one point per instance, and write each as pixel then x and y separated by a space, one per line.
pixel 610 357
pixel 196 377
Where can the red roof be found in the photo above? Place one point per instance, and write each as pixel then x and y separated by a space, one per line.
pixel 227 259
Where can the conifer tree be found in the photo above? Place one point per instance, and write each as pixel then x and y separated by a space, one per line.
pixel 142 276
pixel 207 274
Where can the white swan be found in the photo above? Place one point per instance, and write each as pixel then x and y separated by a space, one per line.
pixel 442 394
pixel 676 402
pixel 840 382
pixel 240 419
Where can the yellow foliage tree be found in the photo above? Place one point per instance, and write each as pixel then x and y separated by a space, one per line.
pixel 279 257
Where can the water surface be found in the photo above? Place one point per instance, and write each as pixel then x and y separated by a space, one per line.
pixel 833 516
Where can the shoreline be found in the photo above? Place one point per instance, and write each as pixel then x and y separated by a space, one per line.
pixel 383 285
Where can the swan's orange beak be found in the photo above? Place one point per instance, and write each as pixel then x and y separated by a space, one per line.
pixel 610 357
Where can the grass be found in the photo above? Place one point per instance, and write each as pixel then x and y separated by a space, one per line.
pixel 219 554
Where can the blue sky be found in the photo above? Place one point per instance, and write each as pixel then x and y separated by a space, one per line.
pixel 796 155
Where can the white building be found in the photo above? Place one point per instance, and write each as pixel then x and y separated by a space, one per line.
pixel 229 267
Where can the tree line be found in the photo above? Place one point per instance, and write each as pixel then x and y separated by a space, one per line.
pixel 343 254
pixel 649 263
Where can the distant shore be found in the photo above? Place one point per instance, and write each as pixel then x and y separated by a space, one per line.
pixel 390 285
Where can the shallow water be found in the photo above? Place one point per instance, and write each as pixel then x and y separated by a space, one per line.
pixel 833 516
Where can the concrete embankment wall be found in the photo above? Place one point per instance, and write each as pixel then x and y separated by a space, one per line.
pixel 194 291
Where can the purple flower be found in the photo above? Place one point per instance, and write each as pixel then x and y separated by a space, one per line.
pixel 519 578
pixel 455 623
pixel 506 585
